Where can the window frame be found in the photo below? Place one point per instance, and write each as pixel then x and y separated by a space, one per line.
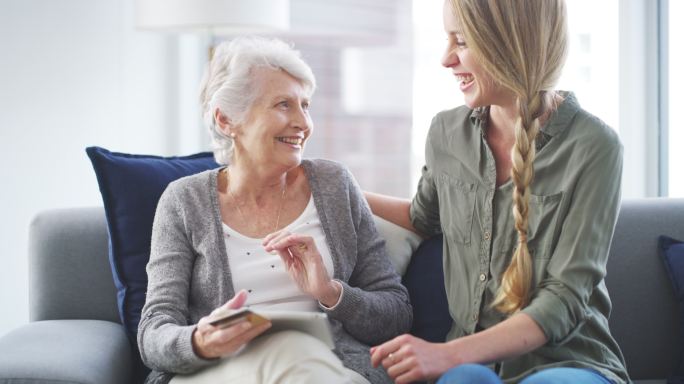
pixel 663 96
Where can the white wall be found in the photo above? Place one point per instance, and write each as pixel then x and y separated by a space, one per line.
pixel 73 73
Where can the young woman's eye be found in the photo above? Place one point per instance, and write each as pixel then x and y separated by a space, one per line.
pixel 457 41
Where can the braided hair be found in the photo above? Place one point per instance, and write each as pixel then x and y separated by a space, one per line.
pixel 522 45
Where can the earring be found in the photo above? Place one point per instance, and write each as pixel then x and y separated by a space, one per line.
pixel 232 135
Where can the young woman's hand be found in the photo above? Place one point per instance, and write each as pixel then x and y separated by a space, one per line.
pixel 304 264
pixel 210 341
pixel 407 358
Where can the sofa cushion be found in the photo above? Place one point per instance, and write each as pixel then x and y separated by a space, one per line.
pixel 672 252
pixel 424 279
pixel 66 351
pixel 131 186
pixel 400 243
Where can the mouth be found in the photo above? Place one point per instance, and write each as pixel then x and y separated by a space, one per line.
pixel 294 141
pixel 466 79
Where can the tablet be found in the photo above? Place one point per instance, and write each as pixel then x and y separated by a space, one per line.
pixel 313 323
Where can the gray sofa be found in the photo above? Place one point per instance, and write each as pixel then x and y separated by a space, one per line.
pixel 75 334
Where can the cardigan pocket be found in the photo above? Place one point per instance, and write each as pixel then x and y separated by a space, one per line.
pixel 456 207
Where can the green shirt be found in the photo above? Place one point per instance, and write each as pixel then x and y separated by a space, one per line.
pixel 573 209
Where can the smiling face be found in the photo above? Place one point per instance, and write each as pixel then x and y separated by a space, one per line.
pixel 478 88
pixel 277 125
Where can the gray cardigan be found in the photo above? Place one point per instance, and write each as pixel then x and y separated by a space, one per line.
pixel 189 273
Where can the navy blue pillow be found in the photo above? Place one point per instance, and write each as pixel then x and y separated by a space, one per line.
pixel 424 279
pixel 131 186
pixel 672 252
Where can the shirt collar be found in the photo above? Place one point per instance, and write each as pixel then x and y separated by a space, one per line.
pixel 560 118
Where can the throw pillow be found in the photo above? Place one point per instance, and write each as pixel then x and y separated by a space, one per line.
pixel 424 279
pixel 672 253
pixel 131 186
pixel 400 243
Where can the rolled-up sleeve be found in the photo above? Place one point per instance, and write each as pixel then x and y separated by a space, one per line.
pixel 424 209
pixel 560 302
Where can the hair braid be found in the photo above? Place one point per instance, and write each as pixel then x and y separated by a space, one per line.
pixel 522 45
pixel 517 279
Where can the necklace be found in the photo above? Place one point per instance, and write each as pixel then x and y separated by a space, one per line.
pixel 237 204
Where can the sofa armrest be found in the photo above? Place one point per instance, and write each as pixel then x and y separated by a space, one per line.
pixel 645 318
pixel 66 351
pixel 69 272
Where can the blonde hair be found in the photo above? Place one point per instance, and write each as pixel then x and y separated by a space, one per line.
pixel 228 83
pixel 522 45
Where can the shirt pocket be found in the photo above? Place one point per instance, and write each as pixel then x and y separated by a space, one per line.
pixel 543 217
pixel 456 207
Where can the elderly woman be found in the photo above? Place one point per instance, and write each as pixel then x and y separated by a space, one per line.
pixel 269 230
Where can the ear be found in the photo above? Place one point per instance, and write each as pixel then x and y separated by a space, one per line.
pixel 223 122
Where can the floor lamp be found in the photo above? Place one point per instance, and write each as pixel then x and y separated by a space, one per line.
pixel 213 17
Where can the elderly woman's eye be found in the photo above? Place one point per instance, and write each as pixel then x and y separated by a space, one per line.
pixel 305 106
pixel 283 104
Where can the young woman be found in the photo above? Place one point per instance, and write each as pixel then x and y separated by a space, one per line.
pixel 524 185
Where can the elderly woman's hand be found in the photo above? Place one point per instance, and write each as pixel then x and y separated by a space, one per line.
pixel 211 341
pixel 304 264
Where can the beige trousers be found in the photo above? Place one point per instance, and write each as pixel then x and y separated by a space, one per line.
pixel 279 358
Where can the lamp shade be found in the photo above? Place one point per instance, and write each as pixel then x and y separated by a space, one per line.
pixel 216 16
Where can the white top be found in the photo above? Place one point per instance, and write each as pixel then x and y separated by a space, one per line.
pixel 263 275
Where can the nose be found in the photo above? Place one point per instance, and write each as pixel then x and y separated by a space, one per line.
pixel 450 57
pixel 301 119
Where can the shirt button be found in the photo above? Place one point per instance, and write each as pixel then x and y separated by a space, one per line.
pixel 487 235
pixel 474 317
pixel 483 277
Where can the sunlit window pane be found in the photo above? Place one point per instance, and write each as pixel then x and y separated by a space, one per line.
pixel 592 67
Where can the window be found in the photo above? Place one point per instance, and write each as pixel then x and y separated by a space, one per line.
pixel 675 121
pixel 591 70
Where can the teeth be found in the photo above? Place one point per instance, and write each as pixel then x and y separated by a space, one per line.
pixel 465 78
pixel 291 140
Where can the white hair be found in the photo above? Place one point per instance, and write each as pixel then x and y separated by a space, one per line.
pixel 228 83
